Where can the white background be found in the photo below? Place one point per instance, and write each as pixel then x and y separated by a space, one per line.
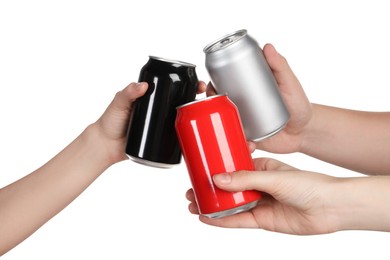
pixel 61 62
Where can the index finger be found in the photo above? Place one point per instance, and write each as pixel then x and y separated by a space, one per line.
pixel 201 87
pixel 210 91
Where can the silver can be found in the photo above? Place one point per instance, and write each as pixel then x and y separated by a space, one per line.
pixel 238 68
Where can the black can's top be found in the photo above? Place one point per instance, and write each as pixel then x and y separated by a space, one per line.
pixel 182 63
pixel 225 41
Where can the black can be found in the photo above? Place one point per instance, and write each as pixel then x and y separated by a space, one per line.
pixel 151 138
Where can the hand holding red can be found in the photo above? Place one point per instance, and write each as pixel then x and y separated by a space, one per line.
pixel 212 141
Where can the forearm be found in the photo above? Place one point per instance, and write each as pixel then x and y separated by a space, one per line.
pixel 362 203
pixel 355 140
pixel 28 203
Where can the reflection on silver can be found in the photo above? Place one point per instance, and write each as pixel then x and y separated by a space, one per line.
pixel 238 68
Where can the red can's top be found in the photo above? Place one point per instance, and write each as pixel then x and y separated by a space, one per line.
pixel 200 100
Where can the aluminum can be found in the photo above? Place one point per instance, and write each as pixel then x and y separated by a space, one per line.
pixel 238 68
pixel 151 137
pixel 212 141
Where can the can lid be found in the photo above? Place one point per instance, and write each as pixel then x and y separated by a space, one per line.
pixel 201 100
pixel 225 41
pixel 182 63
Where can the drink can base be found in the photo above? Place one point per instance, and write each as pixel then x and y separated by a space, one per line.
pixel 232 211
pixel 270 134
pixel 152 164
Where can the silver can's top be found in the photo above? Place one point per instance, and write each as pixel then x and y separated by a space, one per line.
pixel 225 41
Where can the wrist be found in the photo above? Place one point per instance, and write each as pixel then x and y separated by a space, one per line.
pixel 315 131
pixel 104 152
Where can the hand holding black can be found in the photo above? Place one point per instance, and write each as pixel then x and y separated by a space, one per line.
pixel 151 138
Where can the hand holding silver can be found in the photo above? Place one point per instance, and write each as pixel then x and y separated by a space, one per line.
pixel 238 68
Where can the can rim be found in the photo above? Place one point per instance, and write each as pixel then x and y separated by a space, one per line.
pixel 200 100
pixel 218 45
pixel 172 61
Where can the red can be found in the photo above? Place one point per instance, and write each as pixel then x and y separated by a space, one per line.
pixel 212 141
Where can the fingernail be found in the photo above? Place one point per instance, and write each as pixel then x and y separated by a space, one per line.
pixel 138 86
pixel 224 178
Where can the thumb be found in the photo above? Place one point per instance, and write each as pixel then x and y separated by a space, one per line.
pixel 279 65
pixel 265 181
pixel 132 92
pixel 123 99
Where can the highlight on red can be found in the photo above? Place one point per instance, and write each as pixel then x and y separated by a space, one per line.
pixel 212 141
